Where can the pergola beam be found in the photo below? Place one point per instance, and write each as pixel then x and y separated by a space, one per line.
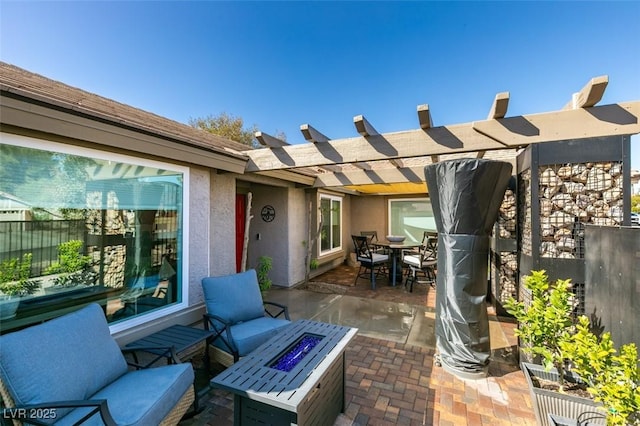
pixel 269 141
pixel 499 107
pixel 598 121
pixel 363 126
pixel 590 94
pixel 312 135
pixel 366 177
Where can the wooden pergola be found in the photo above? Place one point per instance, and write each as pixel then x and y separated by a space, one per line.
pixel 394 158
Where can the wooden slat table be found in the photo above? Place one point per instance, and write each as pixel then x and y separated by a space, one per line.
pixel 312 393
pixel 183 338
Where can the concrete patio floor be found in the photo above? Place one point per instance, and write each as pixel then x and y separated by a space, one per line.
pixel 391 375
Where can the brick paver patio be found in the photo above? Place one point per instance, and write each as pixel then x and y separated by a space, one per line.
pixel 390 383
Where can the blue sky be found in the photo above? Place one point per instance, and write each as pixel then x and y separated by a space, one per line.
pixel 282 64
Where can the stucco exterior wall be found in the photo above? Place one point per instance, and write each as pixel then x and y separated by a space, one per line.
pixel 298 233
pixel 199 225
pixel 222 248
pixel 368 213
pixel 274 235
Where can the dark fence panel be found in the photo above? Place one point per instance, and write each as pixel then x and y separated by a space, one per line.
pixel 612 281
pixel 41 238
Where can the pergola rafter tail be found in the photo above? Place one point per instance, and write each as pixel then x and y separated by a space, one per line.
pixel 266 139
pixel 590 94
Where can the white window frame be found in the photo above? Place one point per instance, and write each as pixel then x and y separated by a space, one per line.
pixel 331 198
pixel 46 145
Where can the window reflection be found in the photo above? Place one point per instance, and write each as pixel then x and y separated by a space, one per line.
pixel 331 231
pixel 411 217
pixel 92 230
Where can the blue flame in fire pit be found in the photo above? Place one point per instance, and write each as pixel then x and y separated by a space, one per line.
pixel 294 353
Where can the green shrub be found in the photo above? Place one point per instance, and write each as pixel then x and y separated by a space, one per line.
pixel 612 378
pixel 265 263
pixel 70 258
pixel 635 203
pixel 546 322
pixel 14 276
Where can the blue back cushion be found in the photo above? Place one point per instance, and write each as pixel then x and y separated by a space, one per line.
pixel 67 358
pixel 235 298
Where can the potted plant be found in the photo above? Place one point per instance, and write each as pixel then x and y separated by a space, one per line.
pixel 612 376
pixel 14 284
pixel 545 324
pixel 265 263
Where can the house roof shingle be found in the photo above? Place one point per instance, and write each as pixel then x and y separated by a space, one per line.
pixel 20 82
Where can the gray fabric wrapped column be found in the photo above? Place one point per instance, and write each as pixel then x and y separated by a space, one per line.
pixel 466 197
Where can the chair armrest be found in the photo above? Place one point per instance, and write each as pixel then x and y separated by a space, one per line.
pixel 410 251
pixel 228 340
pixel 283 310
pixel 159 351
pixel 43 414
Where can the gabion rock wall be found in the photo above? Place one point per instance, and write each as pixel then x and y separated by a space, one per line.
pixel 504 264
pixel 570 196
pixel 507 216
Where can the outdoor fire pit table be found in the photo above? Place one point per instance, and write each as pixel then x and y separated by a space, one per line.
pixel 296 377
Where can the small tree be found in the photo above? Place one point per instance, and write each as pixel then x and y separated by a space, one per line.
pixel 309 262
pixel 227 126
pixel 546 321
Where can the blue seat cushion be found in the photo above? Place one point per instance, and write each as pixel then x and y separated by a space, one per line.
pixel 251 334
pixel 236 297
pixel 68 358
pixel 142 397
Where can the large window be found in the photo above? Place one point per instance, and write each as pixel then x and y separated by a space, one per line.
pixel 82 226
pixel 331 233
pixel 411 217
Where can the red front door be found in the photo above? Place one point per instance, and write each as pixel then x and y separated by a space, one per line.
pixel 241 205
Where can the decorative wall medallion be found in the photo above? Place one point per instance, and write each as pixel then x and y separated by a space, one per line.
pixel 268 213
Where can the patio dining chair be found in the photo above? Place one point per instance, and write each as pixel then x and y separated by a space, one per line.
pixel 372 240
pixel 237 314
pixel 372 264
pixel 423 262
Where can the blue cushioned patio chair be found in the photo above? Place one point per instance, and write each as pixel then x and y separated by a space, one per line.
pixel 71 371
pixel 374 263
pixel 238 315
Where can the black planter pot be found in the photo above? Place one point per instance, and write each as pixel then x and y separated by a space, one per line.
pixel 562 406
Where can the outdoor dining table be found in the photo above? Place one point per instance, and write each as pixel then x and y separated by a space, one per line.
pixel 395 249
